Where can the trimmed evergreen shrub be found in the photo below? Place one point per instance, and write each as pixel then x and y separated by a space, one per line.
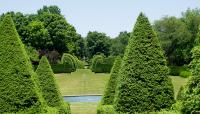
pixel 185 74
pixel 79 64
pixel 195 59
pixel 101 64
pixel 18 91
pixel 144 84
pixel 106 109
pixel 175 70
pixel 32 53
pixel 109 93
pixel 107 64
pixel 69 61
pixel 97 59
pixel 191 96
pixel 61 68
pixel 191 92
pixel 50 91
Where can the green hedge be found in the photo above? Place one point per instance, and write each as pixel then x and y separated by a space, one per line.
pixel 69 62
pixel 79 64
pixel 185 74
pixel 105 109
pixel 61 68
pixel 100 64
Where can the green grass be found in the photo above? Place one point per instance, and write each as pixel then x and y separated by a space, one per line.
pixel 178 82
pixel 84 82
pixel 83 108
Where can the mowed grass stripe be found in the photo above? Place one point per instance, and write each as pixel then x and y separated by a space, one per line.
pixel 82 82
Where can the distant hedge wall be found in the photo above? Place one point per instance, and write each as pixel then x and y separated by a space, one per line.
pixel 101 64
pixel 69 62
pixel 61 68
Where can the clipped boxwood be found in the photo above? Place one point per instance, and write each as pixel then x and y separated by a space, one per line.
pixel 61 68
pixel 105 109
pixel 108 64
pixel 96 60
pixel 50 91
pixel 100 64
pixel 191 93
pixel 144 84
pixel 79 64
pixel 18 90
pixel 109 93
pixel 185 74
pixel 69 61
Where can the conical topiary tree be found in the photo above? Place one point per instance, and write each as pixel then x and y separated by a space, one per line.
pixel 18 91
pixel 190 95
pixel 50 91
pixel 109 93
pixel 144 84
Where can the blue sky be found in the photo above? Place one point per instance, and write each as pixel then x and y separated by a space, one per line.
pixel 108 16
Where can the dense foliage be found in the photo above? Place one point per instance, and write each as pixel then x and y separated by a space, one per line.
pixel 97 43
pixel 144 83
pixel 119 44
pixel 47 30
pixel 177 36
pixel 32 53
pixel 18 91
pixel 69 62
pixel 106 109
pixel 190 96
pixel 78 63
pixel 101 64
pixel 175 40
pixel 50 91
pixel 109 94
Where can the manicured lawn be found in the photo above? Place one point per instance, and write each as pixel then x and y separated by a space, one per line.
pixel 178 82
pixel 84 82
pixel 83 108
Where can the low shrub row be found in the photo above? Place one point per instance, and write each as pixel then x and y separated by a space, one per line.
pixel 61 68
pixel 101 64
pixel 182 71
pixel 68 64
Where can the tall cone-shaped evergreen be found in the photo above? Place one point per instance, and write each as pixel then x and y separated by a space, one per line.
pixel 190 96
pixel 18 91
pixel 109 93
pixel 50 91
pixel 144 83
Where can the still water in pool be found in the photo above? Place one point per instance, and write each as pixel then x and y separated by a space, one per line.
pixel 88 98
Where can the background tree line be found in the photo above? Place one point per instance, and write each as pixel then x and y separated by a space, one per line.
pixel 50 34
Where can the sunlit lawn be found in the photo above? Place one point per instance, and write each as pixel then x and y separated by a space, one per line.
pixel 84 82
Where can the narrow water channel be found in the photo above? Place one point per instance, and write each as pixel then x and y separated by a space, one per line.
pixel 85 98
